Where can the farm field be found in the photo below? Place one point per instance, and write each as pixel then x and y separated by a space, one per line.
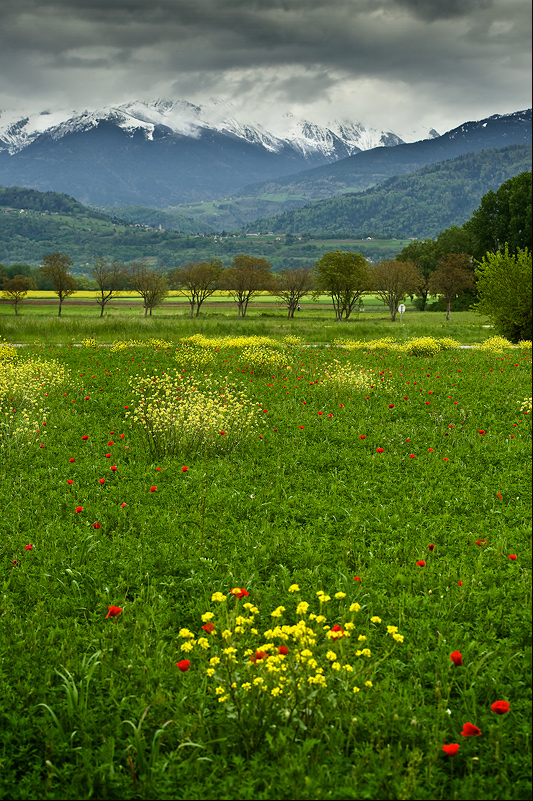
pixel 237 563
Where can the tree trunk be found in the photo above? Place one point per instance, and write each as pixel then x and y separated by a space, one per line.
pixel 145 311
pixel 192 309
pixel 101 310
pixel 59 311
pixel 393 315
pixel 448 308
pixel 16 309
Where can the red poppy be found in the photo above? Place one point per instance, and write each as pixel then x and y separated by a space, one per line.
pixel 153 489
pixel 480 431
pixel 481 543
pixel 338 632
pixel 184 665
pixel 320 413
pixel 72 460
pixel 445 459
pixel 283 650
pixel 457 658
pixel 512 557
pixel 380 450
pixel 391 405
pixel 209 627
pixel 430 450
pixel 469 730
pixel 258 657
pixel 122 505
pixel 78 509
pixel 28 547
pixel 97 525
pixel 114 468
pixel 451 749
pixel 87 398
pixel 108 456
pixel 356 578
pixel 412 456
pixel 239 592
pixel 421 563
pixel 500 707
pixel 101 480
pixel 110 442
pixel 113 611
pixel 85 436
pixel 300 426
pixel 122 436
pixel 70 481
pixel 431 547
pixel 363 436
pixel 184 469
pixel 460 583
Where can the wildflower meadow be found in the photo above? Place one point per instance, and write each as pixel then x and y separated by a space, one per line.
pixel 254 567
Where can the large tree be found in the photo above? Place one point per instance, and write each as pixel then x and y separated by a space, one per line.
pixel 393 280
pixel 343 276
pixel 293 285
pixel 504 289
pixel 15 289
pixel 110 278
pixel 57 267
pixel 151 285
pixel 503 218
pixel 454 276
pixel 197 280
pixel 245 278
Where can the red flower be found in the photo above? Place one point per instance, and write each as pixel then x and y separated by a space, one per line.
pixel 70 481
pixel 391 405
pixel 209 628
pixel 460 583
pixel 113 611
pixel 283 650
pixel 469 730
pixel 356 578
pixel 78 509
pixel 114 468
pixel 97 525
pixel 300 426
pixel 500 707
pixel 430 450
pixel 380 450
pixel 153 489
pixel 481 543
pixel 412 456
pixel 258 657
pixel 184 469
pixel 445 459
pixel 122 505
pixel 110 442
pixel 320 413
pixel 122 436
pixel 183 665
pixel 239 592
pixel 457 658
pixel 451 749
pixel 338 632
pixel 101 480
pixel 421 563
pixel 85 436
pixel 512 557
pixel 28 547
pixel 362 436
pixel 431 547
pixel 87 398
pixel 72 460
pixel 480 431
pixel 108 456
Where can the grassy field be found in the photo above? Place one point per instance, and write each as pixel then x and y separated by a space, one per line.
pixel 243 568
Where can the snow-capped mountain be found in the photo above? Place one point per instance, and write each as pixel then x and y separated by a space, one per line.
pixel 185 119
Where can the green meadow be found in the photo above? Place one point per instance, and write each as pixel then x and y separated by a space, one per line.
pixel 263 558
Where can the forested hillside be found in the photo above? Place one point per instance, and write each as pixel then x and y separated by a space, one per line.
pixel 419 204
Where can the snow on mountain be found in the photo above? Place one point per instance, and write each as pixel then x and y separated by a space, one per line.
pixel 186 119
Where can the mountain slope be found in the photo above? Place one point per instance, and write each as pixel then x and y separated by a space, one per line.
pixel 419 205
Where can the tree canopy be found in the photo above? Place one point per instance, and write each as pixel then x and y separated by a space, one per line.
pixel 504 288
pixel 343 276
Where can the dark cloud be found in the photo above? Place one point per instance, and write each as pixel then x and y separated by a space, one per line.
pixel 88 52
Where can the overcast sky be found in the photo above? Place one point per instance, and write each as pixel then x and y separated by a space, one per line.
pixel 400 65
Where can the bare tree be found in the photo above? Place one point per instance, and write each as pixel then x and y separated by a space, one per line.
pixel 393 280
pixel 15 289
pixel 57 266
pixel 293 285
pixel 246 277
pixel 151 285
pixel 110 278
pixel 197 280
pixel 454 276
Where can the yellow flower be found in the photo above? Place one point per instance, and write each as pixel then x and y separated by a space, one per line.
pixel 336 665
pixel 219 690
pixel 392 629
pixel 218 596
pixel 348 668
pixel 215 660
pixel 340 595
pixel 239 630
pixel 361 638
pixel 375 619
pixel 356 689
pixel 185 633
pixel 306 653
pixel 229 651
pixel 246 686
pixel 277 612
pixel 331 655
pixel 210 671
pixel 320 619
pixel 368 684
pixel 254 631
pixel 222 699
pixel 259 680
pixel 324 599
pixel 398 637
pixel 186 646
pixel 302 608
pixel 349 626
pixel 203 642
pixel 294 588
pixel 226 634
pixel 276 691
pixel 207 616
pixel 355 608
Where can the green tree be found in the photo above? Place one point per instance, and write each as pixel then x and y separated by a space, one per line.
pixel 151 285
pixel 15 289
pixel 197 280
pixel 109 278
pixel 393 280
pixel 247 276
pixel 293 285
pixel 343 276
pixel 504 289
pixel 56 267
pixel 424 255
pixel 503 218
pixel 453 277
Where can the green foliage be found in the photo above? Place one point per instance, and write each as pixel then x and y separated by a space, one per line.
pixel 504 289
pixel 343 276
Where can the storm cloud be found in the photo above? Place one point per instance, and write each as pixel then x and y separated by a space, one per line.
pixel 398 64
